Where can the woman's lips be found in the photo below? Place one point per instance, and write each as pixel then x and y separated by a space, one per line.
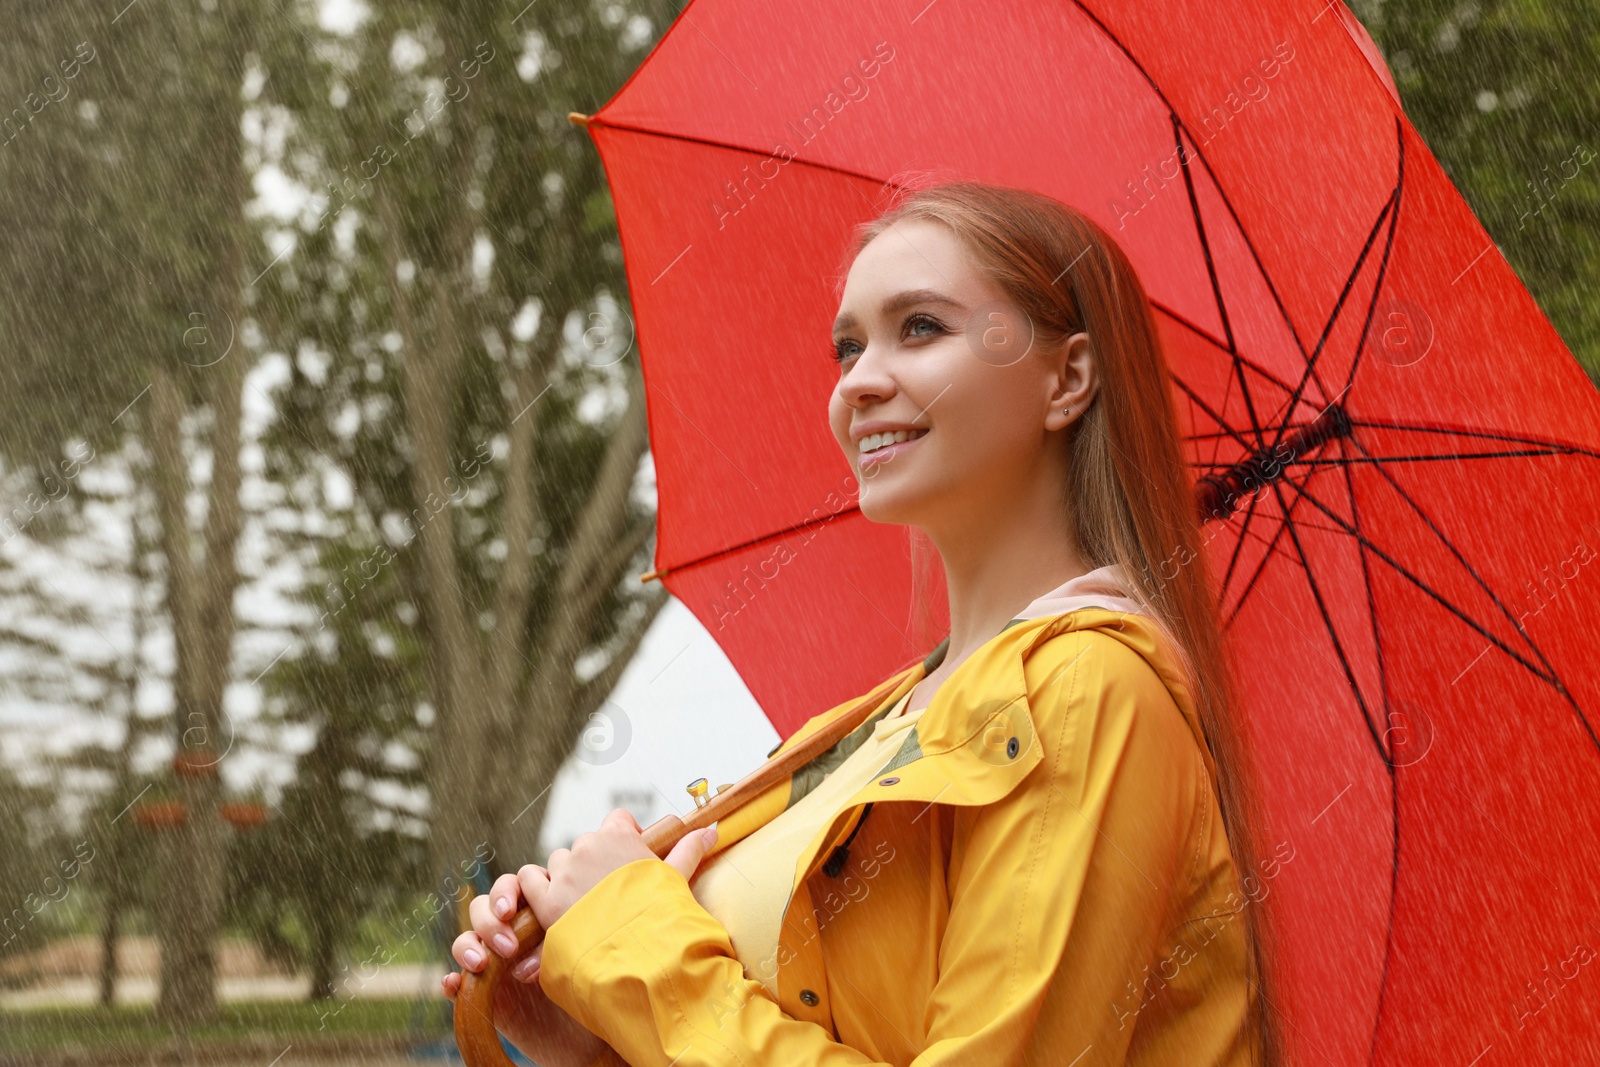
pixel 878 457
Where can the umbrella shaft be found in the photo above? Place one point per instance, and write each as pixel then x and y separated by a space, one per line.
pixel 1217 495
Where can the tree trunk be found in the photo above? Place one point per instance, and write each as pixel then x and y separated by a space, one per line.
pixel 322 960
pixel 507 702
pixel 108 947
pixel 116 879
pixel 200 604
pixel 200 592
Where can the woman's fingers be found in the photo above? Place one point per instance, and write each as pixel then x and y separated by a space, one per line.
pixel 621 818
pixel 468 951
pixel 452 984
pixel 504 896
pixel 526 970
pixel 496 934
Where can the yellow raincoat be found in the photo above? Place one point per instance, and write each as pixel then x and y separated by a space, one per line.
pixel 1044 879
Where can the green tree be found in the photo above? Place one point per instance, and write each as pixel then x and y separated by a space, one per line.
pixel 123 302
pixel 463 356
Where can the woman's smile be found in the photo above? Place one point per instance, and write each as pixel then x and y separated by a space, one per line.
pixel 876 449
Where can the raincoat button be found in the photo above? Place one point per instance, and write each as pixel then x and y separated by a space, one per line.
pixel 1012 747
pixel 808 998
pixel 888 781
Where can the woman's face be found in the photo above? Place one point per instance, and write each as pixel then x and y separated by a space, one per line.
pixel 932 352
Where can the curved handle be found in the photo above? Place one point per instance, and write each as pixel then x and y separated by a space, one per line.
pixel 475 1033
pixel 476 1036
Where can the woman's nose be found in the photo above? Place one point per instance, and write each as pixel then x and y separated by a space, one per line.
pixel 866 381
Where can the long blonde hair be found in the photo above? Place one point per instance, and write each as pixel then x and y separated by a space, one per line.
pixel 1131 497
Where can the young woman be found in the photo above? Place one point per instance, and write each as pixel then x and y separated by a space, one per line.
pixel 1038 850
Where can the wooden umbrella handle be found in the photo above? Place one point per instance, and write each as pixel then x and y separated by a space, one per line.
pixel 474 1014
pixel 476 1036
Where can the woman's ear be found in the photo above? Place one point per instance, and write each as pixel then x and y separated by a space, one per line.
pixel 1077 379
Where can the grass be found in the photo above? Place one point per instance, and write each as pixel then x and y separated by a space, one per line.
pixel 46 1029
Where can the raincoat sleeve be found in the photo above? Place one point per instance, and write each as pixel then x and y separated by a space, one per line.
pixel 639 962
pixel 1065 883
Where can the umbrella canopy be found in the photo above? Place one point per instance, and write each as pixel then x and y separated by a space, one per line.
pixel 1411 587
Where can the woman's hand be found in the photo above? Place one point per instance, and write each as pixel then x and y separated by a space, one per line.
pixel 575 871
pixel 522 1012
pixel 545 1034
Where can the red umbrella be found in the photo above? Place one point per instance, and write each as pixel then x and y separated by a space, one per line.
pixel 1411 590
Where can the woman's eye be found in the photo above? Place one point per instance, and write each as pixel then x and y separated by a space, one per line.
pixel 918 325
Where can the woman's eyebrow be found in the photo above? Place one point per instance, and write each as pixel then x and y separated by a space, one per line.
pixel 897 302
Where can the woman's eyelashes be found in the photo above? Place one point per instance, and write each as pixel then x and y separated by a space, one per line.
pixel 845 349
pixel 921 319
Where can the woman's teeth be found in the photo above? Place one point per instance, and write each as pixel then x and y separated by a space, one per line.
pixel 874 441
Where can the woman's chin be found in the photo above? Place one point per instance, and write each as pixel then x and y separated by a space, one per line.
pixel 893 504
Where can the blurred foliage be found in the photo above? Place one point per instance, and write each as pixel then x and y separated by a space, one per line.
pixel 406 147
pixel 118 228
pixel 42 868
pixel 116 217
pixel 1507 95
pixel 543 205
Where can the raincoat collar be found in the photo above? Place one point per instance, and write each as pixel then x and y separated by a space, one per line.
pixel 1103 587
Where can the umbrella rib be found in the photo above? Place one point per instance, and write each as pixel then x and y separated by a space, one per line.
pixel 1390 212
pixel 1428 457
pixel 1219 345
pixel 1388 247
pixel 1424 587
pixel 1553 679
pixel 1266 557
pixel 1327 621
pixel 1238 545
pixel 1388 758
pixel 758 539
pixel 1372 603
pixel 689 138
pixel 1277 297
pixel 1492 435
pixel 1413 579
pixel 1211 273
pixel 1215 416
pixel 1201 156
